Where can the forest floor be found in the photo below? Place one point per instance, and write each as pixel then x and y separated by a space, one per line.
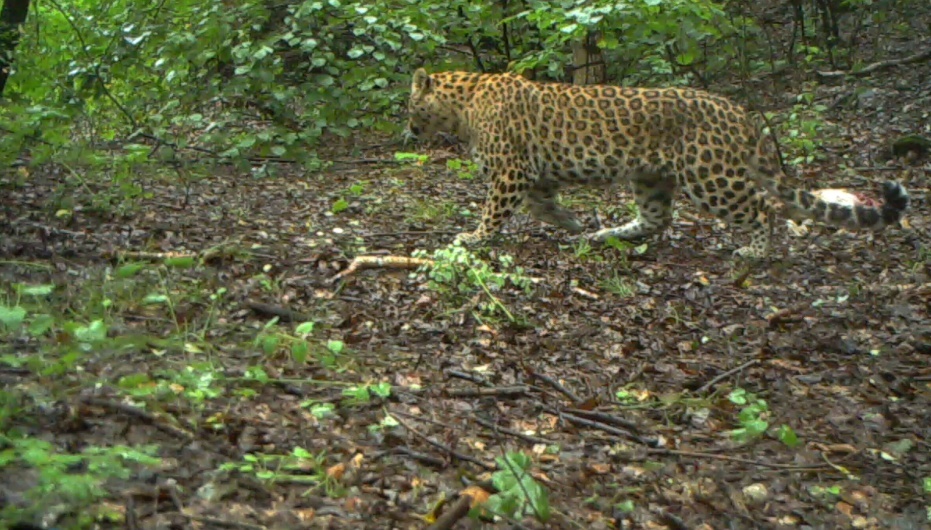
pixel 621 374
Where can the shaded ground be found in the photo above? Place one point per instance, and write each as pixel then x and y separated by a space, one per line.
pixel 844 362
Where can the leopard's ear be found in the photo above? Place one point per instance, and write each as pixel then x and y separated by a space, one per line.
pixel 422 82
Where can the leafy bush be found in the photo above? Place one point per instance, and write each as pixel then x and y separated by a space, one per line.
pixel 457 274
pixel 258 78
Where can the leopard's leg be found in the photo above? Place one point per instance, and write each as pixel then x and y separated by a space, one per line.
pixel 506 193
pixel 654 193
pixel 541 199
pixel 759 222
pixel 739 203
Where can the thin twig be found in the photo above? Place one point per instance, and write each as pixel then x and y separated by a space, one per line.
pixel 556 385
pixel 510 432
pixel 880 65
pixel 728 458
pixel 725 375
pixel 283 313
pixel 477 379
pixel 420 457
pixel 616 431
pixel 132 519
pixel 604 417
pixel 152 419
pixel 446 449
pixel 412 233
pixel 516 390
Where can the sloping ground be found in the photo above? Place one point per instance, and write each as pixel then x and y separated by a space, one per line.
pixel 844 364
pixel 615 375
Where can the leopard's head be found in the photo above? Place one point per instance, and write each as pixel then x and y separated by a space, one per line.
pixel 429 109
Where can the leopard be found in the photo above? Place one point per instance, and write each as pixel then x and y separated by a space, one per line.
pixel 530 139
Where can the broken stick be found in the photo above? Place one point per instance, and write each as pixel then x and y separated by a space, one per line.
pixel 407 263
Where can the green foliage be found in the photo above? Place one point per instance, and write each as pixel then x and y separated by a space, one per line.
pixel 340 205
pixel 787 436
pixel 431 211
pixel 618 286
pixel 362 394
pixel 751 415
pixel 656 36
pixel 300 345
pixel 464 169
pixel 414 158
pixel 241 79
pixel 752 419
pixel 801 132
pixel 518 493
pixel 73 479
pixel 458 275
pixel 299 467
pixel 254 78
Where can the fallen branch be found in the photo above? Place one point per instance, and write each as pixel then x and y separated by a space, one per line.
pixel 728 458
pixel 510 391
pixel 457 511
pixel 407 263
pixel 510 432
pixel 49 230
pixel 670 520
pixel 880 65
pixel 584 422
pixel 283 313
pixel 418 456
pixel 399 233
pixel 382 262
pixel 727 374
pixel 147 256
pixel 367 161
pixel 152 419
pixel 558 386
pixel 446 449
pixel 477 379
pixel 606 418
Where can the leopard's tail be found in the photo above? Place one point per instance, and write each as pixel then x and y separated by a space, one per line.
pixel 855 214
pixel 849 210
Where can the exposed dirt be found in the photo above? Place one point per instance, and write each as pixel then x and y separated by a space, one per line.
pixel 844 361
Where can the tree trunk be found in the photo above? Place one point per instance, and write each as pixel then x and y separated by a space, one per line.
pixel 12 16
pixel 588 65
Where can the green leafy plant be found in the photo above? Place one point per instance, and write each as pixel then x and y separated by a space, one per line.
pixel 414 158
pixel 802 130
pixel 751 416
pixel 457 275
pixel 431 211
pixel 74 479
pixel 340 205
pixel 299 467
pixel 663 35
pixel 787 436
pixel 582 248
pixel 518 493
pixel 464 169
pixel 362 394
pixel 618 286
pixel 752 419
pixel 301 346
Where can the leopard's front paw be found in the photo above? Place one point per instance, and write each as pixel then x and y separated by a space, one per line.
pixel 750 253
pixel 468 238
